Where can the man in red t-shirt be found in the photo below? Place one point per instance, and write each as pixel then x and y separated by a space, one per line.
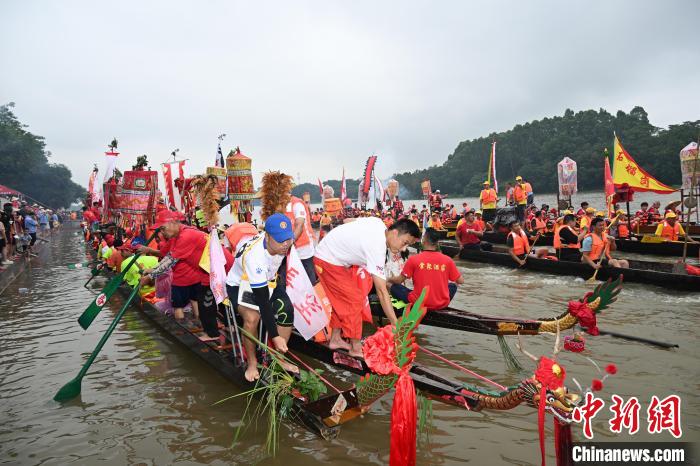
pixel 469 233
pixel 428 268
pixel 181 254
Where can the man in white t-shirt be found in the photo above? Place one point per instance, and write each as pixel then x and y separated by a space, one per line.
pixel 298 213
pixel 349 260
pixel 257 260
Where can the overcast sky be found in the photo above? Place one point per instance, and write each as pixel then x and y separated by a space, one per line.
pixel 308 87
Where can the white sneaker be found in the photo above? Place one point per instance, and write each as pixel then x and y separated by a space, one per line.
pixel 7 262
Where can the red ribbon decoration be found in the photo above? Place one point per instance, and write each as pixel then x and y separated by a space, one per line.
pixel 585 316
pixel 551 376
pixel 403 423
pixel 380 355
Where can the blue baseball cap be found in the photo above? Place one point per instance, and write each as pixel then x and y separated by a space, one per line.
pixel 279 227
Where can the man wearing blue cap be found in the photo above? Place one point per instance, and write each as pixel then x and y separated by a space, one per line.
pixel 257 260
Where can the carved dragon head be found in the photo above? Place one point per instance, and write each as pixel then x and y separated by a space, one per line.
pixel 558 402
pixel 548 381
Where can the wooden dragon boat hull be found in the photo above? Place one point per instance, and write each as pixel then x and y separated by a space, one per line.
pixel 433 384
pixel 313 415
pixel 456 319
pixel 652 273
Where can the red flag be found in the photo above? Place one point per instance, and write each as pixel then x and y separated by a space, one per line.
pixel 320 188
pixel 609 186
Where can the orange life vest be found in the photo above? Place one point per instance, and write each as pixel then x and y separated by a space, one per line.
pixel 598 246
pixel 527 187
pixel 237 231
pixel 521 245
pixel 585 221
pixel 670 232
pixel 306 233
pixel 540 225
pixel 519 195
pixel 557 239
pixel 488 198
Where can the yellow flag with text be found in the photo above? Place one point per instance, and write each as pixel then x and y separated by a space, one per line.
pixel 627 171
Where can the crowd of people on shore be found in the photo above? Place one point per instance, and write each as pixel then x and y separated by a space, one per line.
pixel 22 225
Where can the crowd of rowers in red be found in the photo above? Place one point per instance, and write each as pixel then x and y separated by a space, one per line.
pixel 349 262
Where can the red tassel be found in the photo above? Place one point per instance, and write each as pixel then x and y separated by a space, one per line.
pixel 563 443
pixel 403 423
pixel 540 420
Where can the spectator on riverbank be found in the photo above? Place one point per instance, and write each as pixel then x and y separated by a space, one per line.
pixel 7 223
pixel 30 225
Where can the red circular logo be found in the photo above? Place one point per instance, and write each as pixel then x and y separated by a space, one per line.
pixel 101 300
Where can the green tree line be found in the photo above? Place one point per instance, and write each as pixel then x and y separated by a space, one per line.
pixel 532 150
pixel 25 167
pixel 350 184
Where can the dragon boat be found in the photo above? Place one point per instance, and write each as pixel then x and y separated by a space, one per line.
pixel 647 272
pixel 600 298
pixel 637 245
pixel 323 417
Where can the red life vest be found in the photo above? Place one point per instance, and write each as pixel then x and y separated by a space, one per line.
pixel 521 245
pixel 307 233
pixel 623 231
pixel 519 195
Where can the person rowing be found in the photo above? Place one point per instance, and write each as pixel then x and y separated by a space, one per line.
pixel 567 242
pixel 257 261
pixel 671 229
pixel 428 268
pixel 596 247
pixel 518 242
pixel 348 261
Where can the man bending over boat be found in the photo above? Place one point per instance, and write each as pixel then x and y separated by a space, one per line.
pixel 428 268
pixel 257 261
pixel 348 261
pixel 596 247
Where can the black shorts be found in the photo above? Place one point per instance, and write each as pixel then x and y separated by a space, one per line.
pixel 181 295
pixel 33 236
pixel 281 304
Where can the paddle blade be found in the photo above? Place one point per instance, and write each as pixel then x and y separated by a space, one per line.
pixel 79 265
pixel 98 303
pixel 69 390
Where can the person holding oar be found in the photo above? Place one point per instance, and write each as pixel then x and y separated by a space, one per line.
pixel 596 247
pixel 518 242
pixel 671 229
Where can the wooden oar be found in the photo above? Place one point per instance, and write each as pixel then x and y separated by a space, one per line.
pixel 602 256
pixel 95 307
pixel 72 388
pixel 679 267
pixel 639 339
pixel 532 248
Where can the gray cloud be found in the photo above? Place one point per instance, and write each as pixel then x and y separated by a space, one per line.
pixel 310 87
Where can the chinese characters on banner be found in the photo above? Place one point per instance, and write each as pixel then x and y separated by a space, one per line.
pixel 661 415
pixel 309 315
